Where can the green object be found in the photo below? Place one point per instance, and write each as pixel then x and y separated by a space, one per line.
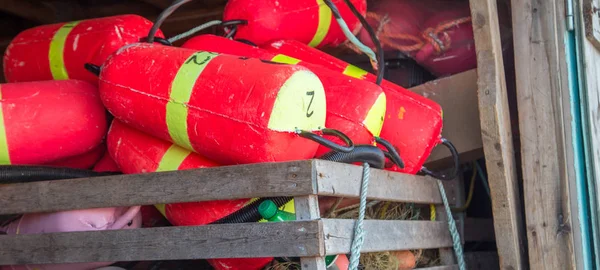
pixel 269 211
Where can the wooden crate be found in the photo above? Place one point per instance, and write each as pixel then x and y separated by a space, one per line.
pixel 310 237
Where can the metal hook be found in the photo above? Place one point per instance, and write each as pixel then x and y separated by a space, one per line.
pixel 327 143
pixel 455 158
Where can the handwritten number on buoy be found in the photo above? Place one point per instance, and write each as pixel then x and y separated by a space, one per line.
pixel 310 112
pixel 194 59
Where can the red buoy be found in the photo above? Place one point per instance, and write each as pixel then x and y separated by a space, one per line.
pixel 106 164
pixel 41 122
pixel 308 21
pixel 59 51
pixel 232 110
pixel 136 152
pixel 413 123
pixel 354 107
pixel 84 161
pixel 451 46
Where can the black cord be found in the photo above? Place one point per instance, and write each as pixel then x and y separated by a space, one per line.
pixel 455 160
pixel 373 35
pixel 163 16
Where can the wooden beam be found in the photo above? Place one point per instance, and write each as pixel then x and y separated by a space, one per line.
pixel 307 208
pixel 385 235
pixel 247 240
pixel 342 180
pixel 457 95
pixel 222 183
pixel 542 80
pixel 497 136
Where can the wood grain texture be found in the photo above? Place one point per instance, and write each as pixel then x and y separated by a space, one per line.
pixel 384 235
pixel 457 94
pixel 340 180
pixel 542 80
pixel 307 208
pixel 230 182
pixel 497 135
pixel 293 239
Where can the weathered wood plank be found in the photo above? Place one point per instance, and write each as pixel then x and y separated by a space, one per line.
pixel 457 94
pixel 307 208
pixel 340 180
pixel 447 256
pixel 384 235
pixel 542 79
pixel 497 135
pixel 231 182
pixel 292 239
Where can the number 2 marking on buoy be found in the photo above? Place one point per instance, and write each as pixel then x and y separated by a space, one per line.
pixel 310 112
pixel 194 59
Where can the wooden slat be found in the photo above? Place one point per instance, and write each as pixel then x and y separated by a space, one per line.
pixel 457 94
pixel 231 182
pixel 249 240
pixel 497 135
pixel 542 79
pixel 384 235
pixel 340 180
pixel 307 208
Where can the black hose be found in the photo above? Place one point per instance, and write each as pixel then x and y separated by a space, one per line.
pixel 163 16
pixel 10 174
pixel 361 153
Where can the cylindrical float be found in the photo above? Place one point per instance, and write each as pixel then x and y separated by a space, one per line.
pixel 136 152
pixel 98 219
pixel 106 164
pixel 41 122
pixel 59 51
pixel 229 109
pixel 450 42
pixel 354 107
pixel 413 123
pixel 308 21
pixel 83 161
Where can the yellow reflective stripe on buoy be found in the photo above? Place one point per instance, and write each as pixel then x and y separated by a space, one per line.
pixel 171 161
pixel 162 208
pixel 282 58
pixel 354 71
pixel 376 115
pixel 4 156
pixel 300 104
pixel 325 18
pixel 56 53
pixel 181 92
